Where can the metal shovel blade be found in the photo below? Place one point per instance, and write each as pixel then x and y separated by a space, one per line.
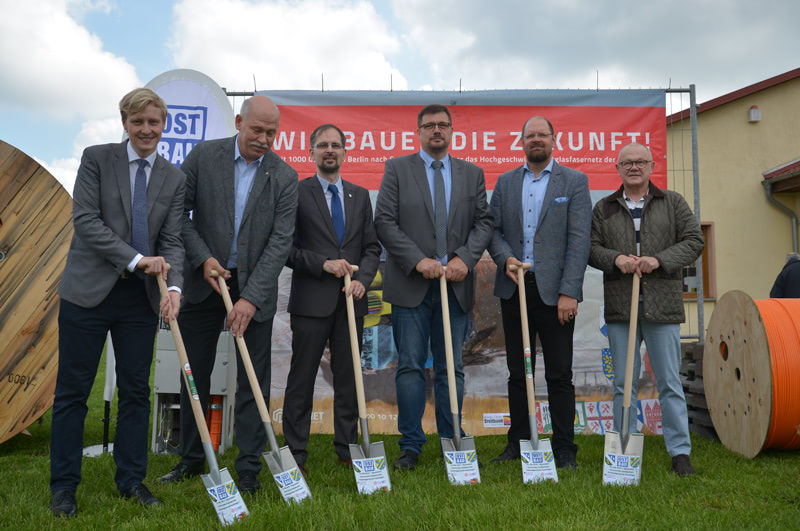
pixel 374 451
pixel 461 461
pixel 225 496
pixel 622 462
pixel 284 461
pixel 538 462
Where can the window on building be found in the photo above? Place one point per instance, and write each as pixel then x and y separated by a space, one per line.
pixel 709 268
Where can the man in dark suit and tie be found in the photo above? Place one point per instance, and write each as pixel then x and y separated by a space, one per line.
pixel 543 216
pixel 431 212
pixel 333 231
pixel 126 211
pixel 239 217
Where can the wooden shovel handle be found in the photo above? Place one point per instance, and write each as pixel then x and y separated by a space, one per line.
pixel 448 348
pixel 626 397
pixel 263 410
pixel 528 356
pixel 351 322
pixel 197 410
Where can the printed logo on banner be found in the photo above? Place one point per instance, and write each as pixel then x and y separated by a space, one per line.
pixel 543 422
pixel 580 417
pixel 600 416
pixel 185 127
pixel 608 364
pixel 651 413
pixel 496 420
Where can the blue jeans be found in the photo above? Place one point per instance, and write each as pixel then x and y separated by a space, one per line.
pixel 414 330
pixel 664 348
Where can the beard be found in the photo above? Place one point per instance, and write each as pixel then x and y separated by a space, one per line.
pixel 329 168
pixel 538 156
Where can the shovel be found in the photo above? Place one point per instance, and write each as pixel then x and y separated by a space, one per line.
pixel 366 450
pixel 537 455
pixel 280 461
pixel 465 468
pixel 219 484
pixel 625 470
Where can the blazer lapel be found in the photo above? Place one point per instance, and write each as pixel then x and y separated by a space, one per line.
pixel 553 186
pixel 322 204
pixel 515 187
pixel 421 178
pixel 226 171
pixel 155 184
pixel 349 205
pixel 123 172
pixel 458 188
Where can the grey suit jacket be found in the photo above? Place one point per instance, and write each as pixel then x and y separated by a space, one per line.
pixel 315 293
pixel 101 215
pixel 405 225
pixel 265 232
pixel 562 240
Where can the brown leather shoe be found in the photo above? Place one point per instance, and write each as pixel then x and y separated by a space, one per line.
pixel 345 462
pixel 302 470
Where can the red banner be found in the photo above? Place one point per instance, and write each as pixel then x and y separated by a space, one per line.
pixel 588 137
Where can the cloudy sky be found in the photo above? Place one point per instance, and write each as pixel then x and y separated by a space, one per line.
pixel 64 64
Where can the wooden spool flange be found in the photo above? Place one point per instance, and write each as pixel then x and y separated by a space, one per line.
pixel 737 374
pixel 35 232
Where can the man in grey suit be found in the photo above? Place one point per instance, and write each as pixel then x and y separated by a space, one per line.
pixel 126 211
pixel 334 230
pixel 431 212
pixel 238 220
pixel 543 216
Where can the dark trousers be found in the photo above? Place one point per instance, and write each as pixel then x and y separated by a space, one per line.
pixel 309 335
pixel 127 313
pixel 200 326
pixel 556 342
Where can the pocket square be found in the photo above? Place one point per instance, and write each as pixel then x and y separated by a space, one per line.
pixel 561 200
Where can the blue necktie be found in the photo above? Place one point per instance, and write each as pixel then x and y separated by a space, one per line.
pixel 337 214
pixel 139 238
pixel 439 209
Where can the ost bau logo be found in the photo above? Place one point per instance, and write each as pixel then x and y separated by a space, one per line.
pixel 185 127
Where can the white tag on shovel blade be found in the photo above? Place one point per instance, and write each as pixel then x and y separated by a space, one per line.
pixel 226 497
pixel 619 468
pixel 537 465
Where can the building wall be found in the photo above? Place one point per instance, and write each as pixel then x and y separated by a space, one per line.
pixel 752 236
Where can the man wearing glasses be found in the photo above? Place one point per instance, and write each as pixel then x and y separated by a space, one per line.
pixel 431 212
pixel 643 230
pixel 542 214
pixel 333 231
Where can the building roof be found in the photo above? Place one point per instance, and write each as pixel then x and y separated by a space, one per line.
pixel 736 94
pixel 785 178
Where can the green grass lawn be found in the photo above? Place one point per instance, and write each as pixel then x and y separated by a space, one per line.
pixel 728 491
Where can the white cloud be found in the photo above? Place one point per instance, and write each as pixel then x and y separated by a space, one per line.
pixel 286 45
pixel 53 66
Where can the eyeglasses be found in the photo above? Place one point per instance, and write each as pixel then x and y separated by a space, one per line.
pixel 324 145
pixel 538 136
pixel 628 164
pixel 430 126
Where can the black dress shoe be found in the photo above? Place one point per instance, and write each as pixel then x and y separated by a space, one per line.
pixel 141 494
pixel 248 482
pixel 406 461
pixel 64 503
pixel 510 453
pixel 567 460
pixel 181 472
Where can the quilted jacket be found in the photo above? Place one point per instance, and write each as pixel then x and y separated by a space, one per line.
pixel 669 232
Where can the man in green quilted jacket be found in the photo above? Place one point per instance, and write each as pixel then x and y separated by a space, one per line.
pixel 651 233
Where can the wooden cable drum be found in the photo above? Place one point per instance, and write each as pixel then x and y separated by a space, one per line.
pixel 751 372
pixel 35 232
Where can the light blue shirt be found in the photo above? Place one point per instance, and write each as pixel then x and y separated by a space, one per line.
pixel 448 183
pixel 533 191
pixel 244 175
pixel 329 195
